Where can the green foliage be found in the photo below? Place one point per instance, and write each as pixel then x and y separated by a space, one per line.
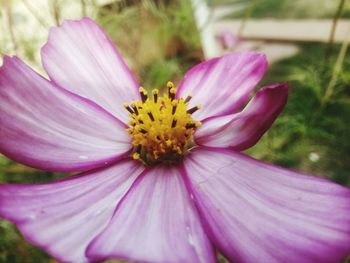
pixel 286 9
pixel 15 250
pixel 307 127
pixel 158 35
pixel 156 74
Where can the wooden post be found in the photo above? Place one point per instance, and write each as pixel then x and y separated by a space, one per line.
pixel 205 26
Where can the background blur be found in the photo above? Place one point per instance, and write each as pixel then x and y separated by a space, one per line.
pixel 306 43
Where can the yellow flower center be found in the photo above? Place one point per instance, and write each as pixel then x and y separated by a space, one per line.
pixel 161 127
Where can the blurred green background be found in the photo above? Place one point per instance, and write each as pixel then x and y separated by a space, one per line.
pixel 160 41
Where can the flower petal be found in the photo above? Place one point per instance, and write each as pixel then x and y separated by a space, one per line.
pixel 256 212
pixel 51 129
pixel 221 85
pixel 81 58
pixel 242 130
pixel 63 217
pixel 156 222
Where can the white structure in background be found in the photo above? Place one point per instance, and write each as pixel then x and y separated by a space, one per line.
pixel 30 21
pixel 304 30
pixel 275 37
pixel 204 23
pixel 314 157
pixel 209 22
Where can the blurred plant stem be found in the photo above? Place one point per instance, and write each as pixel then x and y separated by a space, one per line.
pixel 40 20
pixel 56 11
pixel 9 16
pixel 333 30
pixel 83 7
pixel 336 70
pixel 247 15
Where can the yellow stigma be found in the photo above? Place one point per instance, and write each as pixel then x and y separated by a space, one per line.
pixel 161 127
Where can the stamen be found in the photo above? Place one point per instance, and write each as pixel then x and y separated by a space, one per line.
pixel 172 93
pixel 190 126
pixel 134 107
pixel 173 124
pixel 143 94
pixel 138 149
pixel 161 127
pixel 142 130
pixel 136 156
pixel 155 95
pixel 127 107
pixel 189 97
pixel 150 116
pixel 169 85
pixel 194 109
pixel 174 107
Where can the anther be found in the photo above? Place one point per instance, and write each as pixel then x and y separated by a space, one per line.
pixel 127 107
pixel 190 126
pixel 194 109
pixel 170 85
pixel 174 108
pixel 150 116
pixel 136 156
pixel 155 95
pixel 172 93
pixel 138 149
pixel 142 130
pixel 173 124
pixel 143 94
pixel 132 123
pixel 189 97
pixel 134 107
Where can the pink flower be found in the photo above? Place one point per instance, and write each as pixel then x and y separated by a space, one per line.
pixel 227 40
pixel 166 189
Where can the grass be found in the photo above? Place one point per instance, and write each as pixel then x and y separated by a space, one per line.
pixel 162 40
pixel 306 127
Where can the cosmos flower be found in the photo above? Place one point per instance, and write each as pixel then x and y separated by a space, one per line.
pixel 163 179
pixel 228 40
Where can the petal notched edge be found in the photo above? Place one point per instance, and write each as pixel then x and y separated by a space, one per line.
pixel 243 130
pixel 257 212
pixel 221 85
pixel 156 222
pixel 63 217
pixel 80 57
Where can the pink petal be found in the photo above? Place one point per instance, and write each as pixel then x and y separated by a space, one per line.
pixel 63 217
pixel 81 58
pixel 242 130
pixel 222 85
pixel 51 129
pixel 228 40
pixel 156 222
pixel 256 212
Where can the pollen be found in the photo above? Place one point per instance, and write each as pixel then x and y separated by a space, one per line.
pixel 161 127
